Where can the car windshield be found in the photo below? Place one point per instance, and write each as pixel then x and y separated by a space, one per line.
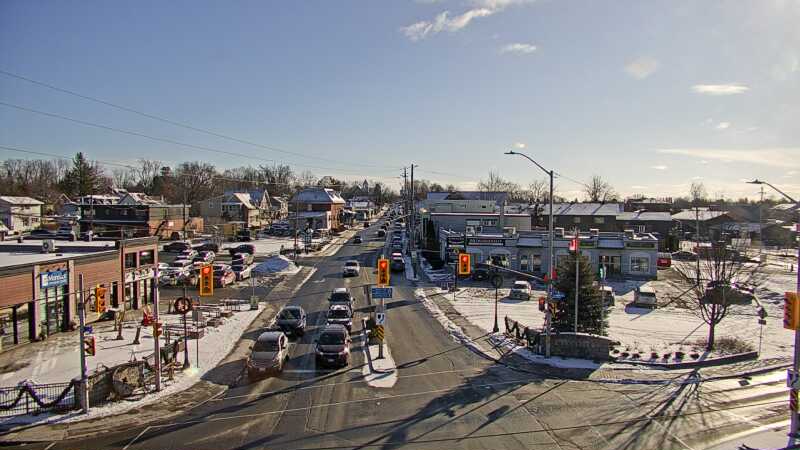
pixel 331 338
pixel 351 264
pixel 270 345
pixel 338 314
pixel 289 313
pixel 177 264
pixel 340 297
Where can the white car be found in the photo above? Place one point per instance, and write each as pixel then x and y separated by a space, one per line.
pixel 179 266
pixel 520 290
pixel 645 296
pixel 351 268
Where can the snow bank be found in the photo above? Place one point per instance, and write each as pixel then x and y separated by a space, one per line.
pixel 276 264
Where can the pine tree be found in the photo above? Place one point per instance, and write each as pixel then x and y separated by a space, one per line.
pixel 590 304
pixel 83 178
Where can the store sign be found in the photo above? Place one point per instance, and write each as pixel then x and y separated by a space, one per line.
pixel 640 244
pixel 139 274
pixel 494 242
pixel 55 278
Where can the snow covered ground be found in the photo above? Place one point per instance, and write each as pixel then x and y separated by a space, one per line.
pixel 275 265
pixel 266 246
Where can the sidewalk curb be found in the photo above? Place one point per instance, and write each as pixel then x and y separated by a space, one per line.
pixel 365 346
pixel 49 432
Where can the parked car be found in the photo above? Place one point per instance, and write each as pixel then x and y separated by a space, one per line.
pixel 351 268
pixel 480 274
pixel 520 290
pixel 268 355
pixel 244 235
pixel 332 347
pixel 292 320
pixel 341 295
pixel 664 260
pixel 340 314
pixel 242 271
pixel 163 267
pixel 177 247
pixel 41 234
pixel 223 275
pixel 66 232
pixel 242 258
pixel 645 296
pixel 607 294
pixel 204 257
pixel 684 255
pixel 208 247
pixel 242 248
pixel 397 263
pixel 179 266
pixel 397 247
pixel 357 239
pixel 187 254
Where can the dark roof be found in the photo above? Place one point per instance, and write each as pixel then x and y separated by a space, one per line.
pixel 497 197
pixel 584 209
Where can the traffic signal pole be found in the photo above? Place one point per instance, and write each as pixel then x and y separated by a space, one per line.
pixel 84 386
pixel 156 338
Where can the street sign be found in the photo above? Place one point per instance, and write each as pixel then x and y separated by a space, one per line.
pixel 183 305
pixel 558 295
pixel 792 379
pixel 762 321
pixel 87 329
pixel 380 318
pixel 381 292
pixel 378 332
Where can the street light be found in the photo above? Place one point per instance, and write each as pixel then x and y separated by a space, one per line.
pixel 548 313
pixel 794 415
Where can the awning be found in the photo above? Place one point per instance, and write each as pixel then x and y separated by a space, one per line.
pixel 529 242
pixel 610 243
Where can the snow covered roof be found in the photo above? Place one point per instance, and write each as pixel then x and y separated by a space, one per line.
pixel 318 195
pixel 644 215
pixel 20 200
pixel 584 209
pixel 241 197
pixel 497 197
pixel 702 214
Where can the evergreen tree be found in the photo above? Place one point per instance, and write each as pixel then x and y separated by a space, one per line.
pixel 590 304
pixel 84 178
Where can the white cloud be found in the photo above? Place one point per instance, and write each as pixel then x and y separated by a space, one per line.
pixel 635 186
pixel 776 157
pixel 720 89
pixel 445 22
pixel 642 67
pixel 520 145
pixel 518 48
pixel 659 167
pixel 694 178
pixel 723 125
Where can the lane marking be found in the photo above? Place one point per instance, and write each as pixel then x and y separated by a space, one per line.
pixel 50 446
pixel 136 438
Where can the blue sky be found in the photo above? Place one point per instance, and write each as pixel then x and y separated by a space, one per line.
pixel 650 95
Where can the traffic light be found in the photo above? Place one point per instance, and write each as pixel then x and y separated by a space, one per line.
pixel 463 264
pixel 89 346
pixel 541 303
pixel 791 311
pixel 573 244
pixel 100 304
pixel 206 281
pixel 383 272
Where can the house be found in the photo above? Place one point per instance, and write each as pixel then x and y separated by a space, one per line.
pixel 583 216
pixel 362 207
pixel 20 214
pixel 648 204
pixel 279 208
pixel 464 198
pixel 126 221
pixel 251 209
pixel 658 224
pixel 318 208
pixel 624 255
pixel 138 198
pixel 712 224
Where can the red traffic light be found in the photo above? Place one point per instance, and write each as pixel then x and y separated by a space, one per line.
pixel 383 264
pixel 464 264
pixel 541 303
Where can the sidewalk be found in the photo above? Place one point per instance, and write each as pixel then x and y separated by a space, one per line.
pixel 210 383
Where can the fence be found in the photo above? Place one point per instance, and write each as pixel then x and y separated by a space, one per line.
pixel 522 333
pixel 38 398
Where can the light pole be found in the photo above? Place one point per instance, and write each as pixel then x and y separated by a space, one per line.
pixel 548 313
pixel 796 365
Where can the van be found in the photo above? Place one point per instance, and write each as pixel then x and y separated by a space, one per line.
pixel 645 296
pixel 607 294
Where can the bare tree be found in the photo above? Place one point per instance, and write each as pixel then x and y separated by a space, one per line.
pixel 697 193
pixel 538 191
pixel 599 190
pixel 123 177
pixel 146 175
pixel 712 284
pixel 496 183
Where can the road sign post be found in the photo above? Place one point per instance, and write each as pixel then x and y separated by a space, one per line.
pixel 381 292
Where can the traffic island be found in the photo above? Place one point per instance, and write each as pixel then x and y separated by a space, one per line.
pixel 379 372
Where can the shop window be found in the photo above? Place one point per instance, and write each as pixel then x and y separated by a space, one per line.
pixel 523 263
pixel 146 257
pixel 640 264
pixel 130 260
pixel 599 220
pixel 576 220
pixel 536 263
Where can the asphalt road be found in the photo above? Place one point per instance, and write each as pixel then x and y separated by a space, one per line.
pixel 446 396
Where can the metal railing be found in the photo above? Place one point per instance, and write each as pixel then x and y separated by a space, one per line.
pixel 28 398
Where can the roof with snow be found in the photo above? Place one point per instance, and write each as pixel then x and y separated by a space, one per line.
pixel 497 197
pixel 644 215
pixel 20 200
pixel 584 209
pixel 318 195
pixel 702 215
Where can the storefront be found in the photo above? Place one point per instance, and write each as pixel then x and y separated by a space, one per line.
pixel 139 287
pixel 53 301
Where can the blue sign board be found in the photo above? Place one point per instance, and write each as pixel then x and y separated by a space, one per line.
pixel 381 292
pixel 558 295
pixel 54 278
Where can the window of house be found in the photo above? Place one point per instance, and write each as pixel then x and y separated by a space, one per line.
pixel 24 221
pixel 640 264
pixel 210 204
pixel 576 220
pixel 599 220
pixel 146 257
pixel 523 263
pixel 536 263
pixel 490 222
pixel 130 260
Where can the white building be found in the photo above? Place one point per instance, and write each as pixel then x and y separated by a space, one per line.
pixel 20 214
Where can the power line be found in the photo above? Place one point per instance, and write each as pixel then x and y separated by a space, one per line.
pixel 181 124
pixel 160 139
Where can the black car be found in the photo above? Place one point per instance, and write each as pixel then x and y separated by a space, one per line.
pixel 41 234
pixel 357 240
pixel 243 248
pixel 480 274
pixel 207 247
pixel 292 320
pixel 332 347
pixel 177 247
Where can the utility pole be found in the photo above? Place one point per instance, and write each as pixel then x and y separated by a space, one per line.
pixel 156 338
pixel 577 274
pixel 84 387
pixel 411 216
